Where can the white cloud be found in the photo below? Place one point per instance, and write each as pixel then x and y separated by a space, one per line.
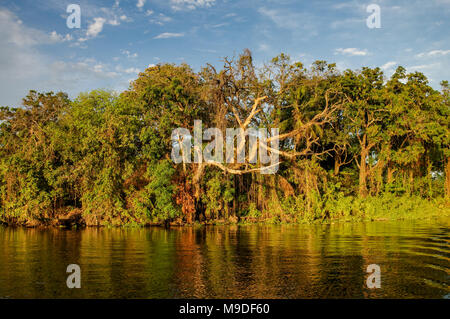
pixel 191 4
pixel 18 43
pixel 123 17
pixel 69 75
pixel 424 66
pixel 129 54
pixel 114 22
pixel 351 52
pixel 219 25
pixel 167 35
pixel 351 5
pixel 389 65
pixel 25 66
pixel 128 70
pixel 148 12
pixel 161 19
pixel 282 20
pixel 96 27
pixel 263 47
pixel 301 23
pixel 22 66
pixel 16 33
pixel 350 22
pixel 101 16
pixel 140 3
pixel 433 53
pixel 55 37
pixel 131 70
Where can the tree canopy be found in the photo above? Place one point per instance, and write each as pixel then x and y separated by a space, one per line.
pixel 347 140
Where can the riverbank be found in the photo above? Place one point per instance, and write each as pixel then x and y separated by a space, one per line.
pixel 344 209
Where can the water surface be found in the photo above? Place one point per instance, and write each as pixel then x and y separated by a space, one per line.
pixel 287 261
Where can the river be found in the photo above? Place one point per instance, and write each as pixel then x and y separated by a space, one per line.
pixel 270 261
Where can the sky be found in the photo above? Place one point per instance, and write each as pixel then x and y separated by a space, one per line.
pixel 117 39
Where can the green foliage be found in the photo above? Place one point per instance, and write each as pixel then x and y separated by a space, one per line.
pixel 219 193
pixel 161 191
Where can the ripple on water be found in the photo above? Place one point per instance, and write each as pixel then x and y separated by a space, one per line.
pixel 287 261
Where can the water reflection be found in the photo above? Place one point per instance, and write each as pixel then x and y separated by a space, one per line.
pixel 288 261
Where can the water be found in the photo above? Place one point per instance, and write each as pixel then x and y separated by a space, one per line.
pixel 288 261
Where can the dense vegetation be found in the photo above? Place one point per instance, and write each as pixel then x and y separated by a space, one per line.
pixel 353 144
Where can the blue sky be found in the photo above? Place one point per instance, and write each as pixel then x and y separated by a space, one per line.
pixel 117 39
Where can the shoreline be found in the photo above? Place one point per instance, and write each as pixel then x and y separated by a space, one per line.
pixel 445 213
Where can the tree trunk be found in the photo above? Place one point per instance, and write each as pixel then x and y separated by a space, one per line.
pixel 411 180
pixel 447 179
pixel 337 164
pixel 379 178
pixel 227 214
pixel 363 169
pixel 390 174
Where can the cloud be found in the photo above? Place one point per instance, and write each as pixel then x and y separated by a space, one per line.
pixel 161 19
pixel 167 35
pixel 15 32
pixel 433 53
pixel 388 65
pixel 129 54
pixel 97 68
pixel 96 27
pixel 85 74
pixel 207 50
pixel 424 66
pixel 282 20
pixel 55 37
pixel 99 16
pixel 263 47
pixel 191 4
pixel 124 18
pixel 149 12
pixel 351 52
pixel 25 66
pixel 140 3
pixel 350 22
pixel 22 65
pixel 219 25
pixel 128 70
pixel 116 21
pixel 132 70
pixel 303 24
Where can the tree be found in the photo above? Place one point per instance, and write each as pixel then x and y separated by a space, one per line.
pixel 365 109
